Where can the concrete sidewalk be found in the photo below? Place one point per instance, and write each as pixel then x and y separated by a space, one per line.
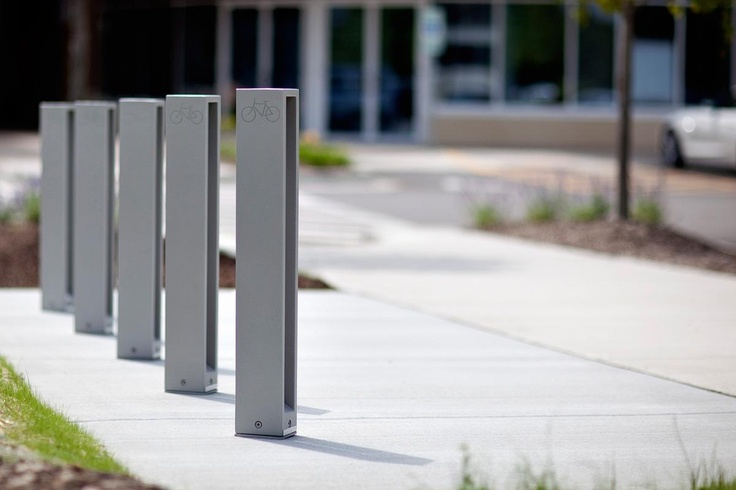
pixel 670 321
pixel 387 397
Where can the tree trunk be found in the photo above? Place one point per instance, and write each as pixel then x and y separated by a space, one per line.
pixel 79 57
pixel 624 103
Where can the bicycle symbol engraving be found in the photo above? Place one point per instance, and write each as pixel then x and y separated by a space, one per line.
pixel 186 113
pixel 250 112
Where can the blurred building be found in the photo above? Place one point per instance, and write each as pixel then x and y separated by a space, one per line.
pixel 514 72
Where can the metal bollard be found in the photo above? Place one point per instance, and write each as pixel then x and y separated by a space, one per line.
pixel 267 208
pixel 192 255
pixel 94 194
pixel 139 228
pixel 57 125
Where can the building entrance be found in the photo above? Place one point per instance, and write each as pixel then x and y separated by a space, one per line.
pixel 371 71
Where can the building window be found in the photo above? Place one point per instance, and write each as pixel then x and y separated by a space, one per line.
pixel 707 59
pixel 464 69
pixel 397 70
pixel 245 40
pixel 595 58
pixel 653 56
pixel 286 48
pixel 346 70
pixel 534 53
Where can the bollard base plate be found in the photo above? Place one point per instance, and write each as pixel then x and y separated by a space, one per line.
pixel 265 436
pixel 207 391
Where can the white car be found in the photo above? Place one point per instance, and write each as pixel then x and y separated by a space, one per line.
pixel 705 135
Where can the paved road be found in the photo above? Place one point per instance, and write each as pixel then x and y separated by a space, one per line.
pixel 439 185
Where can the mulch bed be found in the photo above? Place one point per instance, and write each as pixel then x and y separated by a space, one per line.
pixel 18 255
pixel 35 475
pixel 19 260
pixel 626 238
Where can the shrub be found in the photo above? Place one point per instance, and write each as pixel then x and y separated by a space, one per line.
pixel 32 207
pixel 6 213
pixel 596 209
pixel 647 211
pixel 486 216
pixel 543 210
pixel 311 152
pixel 321 155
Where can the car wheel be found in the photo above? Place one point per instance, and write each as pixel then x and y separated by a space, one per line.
pixel 671 154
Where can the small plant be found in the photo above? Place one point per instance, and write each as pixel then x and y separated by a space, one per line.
pixel 529 479
pixel 317 154
pixel 467 480
pixel 32 207
pixel 227 151
pixel 6 213
pixel 647 211
pixel 227 123
pixel 713 479
pixel 486 216
pixel 25 206
pixel 543 210
pixel 596 209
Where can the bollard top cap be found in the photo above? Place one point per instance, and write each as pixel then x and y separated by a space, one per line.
pixel 192 96
pixel 142 100
pixel 288 91
pixel 95 103
pixel 56 105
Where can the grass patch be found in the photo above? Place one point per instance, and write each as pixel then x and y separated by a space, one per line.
pixel 30 423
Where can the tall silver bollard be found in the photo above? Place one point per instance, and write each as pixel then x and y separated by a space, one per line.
pixel 139 228
pixel 267 207
pixel 94 195
pixel 57 130
pixel 192 255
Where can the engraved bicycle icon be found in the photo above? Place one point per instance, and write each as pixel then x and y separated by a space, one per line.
pixel 186 112
pixel 250 112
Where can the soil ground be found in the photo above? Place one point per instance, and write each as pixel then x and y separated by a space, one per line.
pixel 19 266
pixel 626 238
pixel 31 474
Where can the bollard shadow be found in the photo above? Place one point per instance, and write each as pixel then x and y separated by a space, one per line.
pixel 301 409
pixel 230 399
pixel 147 362
pixel 350 451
